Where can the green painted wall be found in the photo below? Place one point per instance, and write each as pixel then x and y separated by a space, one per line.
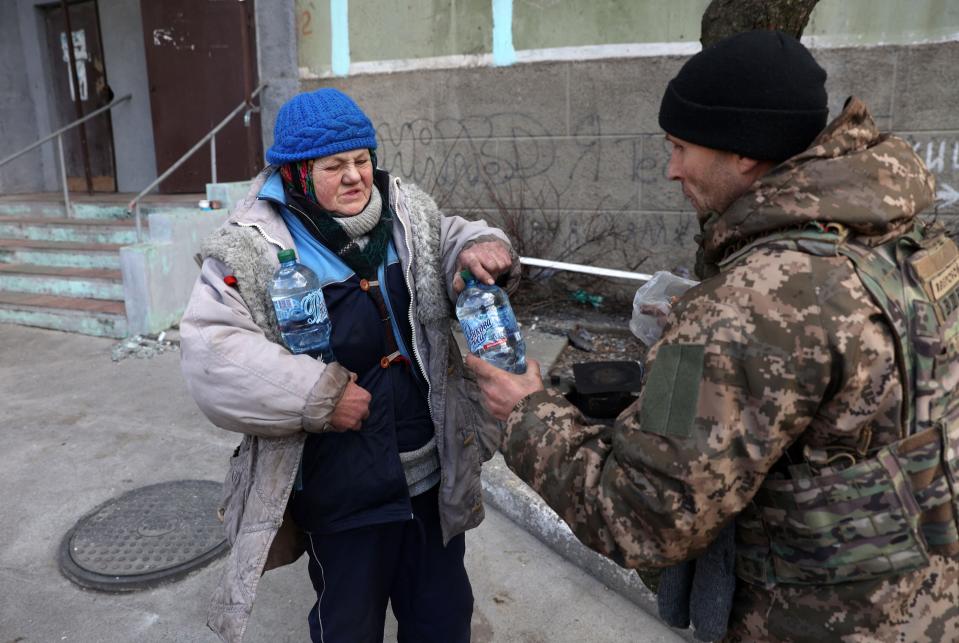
pixel 419 28
pixel 891 22
pixel 313 31
pixel 395 30
pixel 412 29
pixel 561 23
pixel 567 23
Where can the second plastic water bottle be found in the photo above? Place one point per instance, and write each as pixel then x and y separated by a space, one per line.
pixel 300 308
pixel 490 326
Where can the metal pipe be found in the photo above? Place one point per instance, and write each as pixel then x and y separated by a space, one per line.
pixel 213 158
pixel 589 270
pixel 67 209
pixel 63 129
pixel 77 101
pixel 139 225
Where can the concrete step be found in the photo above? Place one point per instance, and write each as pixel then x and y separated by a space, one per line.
pixel 54 209
pixel 94 283
pixel 104 206
pixel 110 231
pixel 87 316
pixel 63 254
pixel 31 209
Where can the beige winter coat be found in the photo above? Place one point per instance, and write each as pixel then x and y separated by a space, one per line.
pixel 245 380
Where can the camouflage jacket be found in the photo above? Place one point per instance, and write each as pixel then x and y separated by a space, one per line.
pixel 777 350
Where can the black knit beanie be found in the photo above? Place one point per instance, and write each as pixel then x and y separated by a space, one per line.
pixel 759 93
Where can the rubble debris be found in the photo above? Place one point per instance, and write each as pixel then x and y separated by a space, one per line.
pixel 581 338
pixel 145 346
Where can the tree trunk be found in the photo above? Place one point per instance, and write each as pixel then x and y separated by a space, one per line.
pixel 724 18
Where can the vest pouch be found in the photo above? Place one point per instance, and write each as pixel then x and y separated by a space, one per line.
pixel 945 376
pixel 858 523
pixel 935 266
pixel 941 524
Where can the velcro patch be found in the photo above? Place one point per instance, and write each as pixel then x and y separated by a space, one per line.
pixel 671 394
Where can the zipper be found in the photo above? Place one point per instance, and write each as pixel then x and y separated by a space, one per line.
pixel 416 353
pixel 257 227
pixel 260 230
pixel 400 342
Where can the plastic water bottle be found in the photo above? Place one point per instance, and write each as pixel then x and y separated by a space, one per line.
pixel 489 325
pixel 300 308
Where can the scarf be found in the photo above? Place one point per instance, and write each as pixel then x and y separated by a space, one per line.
pixel 360 241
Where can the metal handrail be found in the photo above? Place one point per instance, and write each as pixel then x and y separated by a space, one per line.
pixel 589 270
pixel 134 206
pixel 59 136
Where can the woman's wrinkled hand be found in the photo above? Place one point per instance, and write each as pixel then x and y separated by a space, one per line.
pixel 487 260
pixel 352 409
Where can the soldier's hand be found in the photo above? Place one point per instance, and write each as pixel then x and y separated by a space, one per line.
pixel 352 409
pixel 503 390
pixel 486 260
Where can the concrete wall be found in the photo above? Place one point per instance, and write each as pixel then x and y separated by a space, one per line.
pixel 571 154
pixel 18 119
pixel 158 275
pixel 276 54
pixel 25 114
pixel 121 29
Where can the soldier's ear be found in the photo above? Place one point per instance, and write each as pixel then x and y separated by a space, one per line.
pixel 752 168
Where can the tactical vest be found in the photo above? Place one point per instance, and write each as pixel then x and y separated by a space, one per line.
pixel 853 517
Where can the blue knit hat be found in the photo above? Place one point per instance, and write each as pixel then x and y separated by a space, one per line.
pixel 318 124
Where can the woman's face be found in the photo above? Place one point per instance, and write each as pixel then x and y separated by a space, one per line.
pixel 343 181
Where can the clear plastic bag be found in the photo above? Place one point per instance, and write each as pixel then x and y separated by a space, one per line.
pixel 652 302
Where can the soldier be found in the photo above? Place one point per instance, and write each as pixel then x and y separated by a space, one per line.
pixel 805 388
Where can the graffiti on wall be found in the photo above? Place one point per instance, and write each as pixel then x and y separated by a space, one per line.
pixel 587 197
pixel 941 156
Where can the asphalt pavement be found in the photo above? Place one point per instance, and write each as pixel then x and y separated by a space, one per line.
pixel 79 429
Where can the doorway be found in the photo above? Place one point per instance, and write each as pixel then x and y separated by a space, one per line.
pixel 93 91
pixel 201 65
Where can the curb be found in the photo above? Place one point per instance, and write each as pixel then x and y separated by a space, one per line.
pixel 507 493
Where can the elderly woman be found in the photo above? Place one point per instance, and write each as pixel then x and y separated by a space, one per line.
pixel 371 463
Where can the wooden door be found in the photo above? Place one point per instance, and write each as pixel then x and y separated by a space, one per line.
pixel 200 66
pixel 93 90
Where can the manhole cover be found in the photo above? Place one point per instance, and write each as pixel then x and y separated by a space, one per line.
pixel 145 537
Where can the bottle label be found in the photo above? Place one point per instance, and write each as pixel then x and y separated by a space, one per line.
pixel 488 329
pixel 310 307
pixel 314 306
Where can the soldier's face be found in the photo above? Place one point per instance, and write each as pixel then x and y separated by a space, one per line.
pixel 710 178
pixel 343 181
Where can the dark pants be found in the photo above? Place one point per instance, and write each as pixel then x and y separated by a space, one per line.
pixel 355 573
